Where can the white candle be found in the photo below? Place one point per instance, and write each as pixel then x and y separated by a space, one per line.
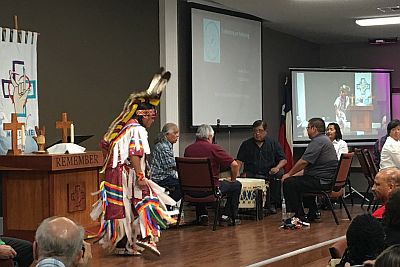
pixel 72 133
pixel 23 135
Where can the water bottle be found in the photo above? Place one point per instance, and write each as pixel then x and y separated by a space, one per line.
pixel 284 214
pixel 182 218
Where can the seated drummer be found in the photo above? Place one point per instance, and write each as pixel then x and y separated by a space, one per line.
pixel 163 166
pixel 203 147
pixel 263 158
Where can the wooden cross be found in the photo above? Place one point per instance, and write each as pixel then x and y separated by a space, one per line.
pixel 14 126
pixel 64 124
pixel 76 196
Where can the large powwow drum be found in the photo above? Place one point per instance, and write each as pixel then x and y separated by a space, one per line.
pixel 251 188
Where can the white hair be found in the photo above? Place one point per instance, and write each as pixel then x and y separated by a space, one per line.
pixel 50 245
pixel 168 128
pixel 204 131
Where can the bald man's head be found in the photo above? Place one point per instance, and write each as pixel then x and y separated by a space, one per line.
pixel 62 228
pixel 385 182
pixel 60 238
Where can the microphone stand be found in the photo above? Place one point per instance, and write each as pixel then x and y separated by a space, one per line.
pixel 216 130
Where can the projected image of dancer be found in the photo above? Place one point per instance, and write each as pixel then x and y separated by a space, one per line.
pixel 341 104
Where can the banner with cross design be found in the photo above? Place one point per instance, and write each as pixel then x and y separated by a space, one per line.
pixel 18 85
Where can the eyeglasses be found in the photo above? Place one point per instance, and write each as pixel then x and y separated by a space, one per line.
pixel 258 130
pixel 309 127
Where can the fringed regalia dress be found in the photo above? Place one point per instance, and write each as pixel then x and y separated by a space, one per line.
pixel 125 208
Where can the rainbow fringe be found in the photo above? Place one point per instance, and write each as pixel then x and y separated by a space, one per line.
pixel 152 216
pixel 110 193
pixel 113 226
pixel 114 194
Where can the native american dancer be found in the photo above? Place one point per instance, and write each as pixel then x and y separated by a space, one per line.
pixel 130 203
pixel 341 104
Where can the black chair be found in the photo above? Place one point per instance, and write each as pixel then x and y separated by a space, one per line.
pixel 367 174
pixel 351 191
pixel 371 164
pixel 197 184
pixel 338 189
pixel 374 170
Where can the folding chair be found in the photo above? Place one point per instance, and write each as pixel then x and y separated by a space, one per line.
pixel 337 190
pixel 367 173
pixel 197 184
pixel 373 170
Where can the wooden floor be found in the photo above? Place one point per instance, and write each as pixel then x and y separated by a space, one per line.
pixel 249 243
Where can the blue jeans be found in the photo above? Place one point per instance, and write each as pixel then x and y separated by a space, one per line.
pixel 232 190
pixel 172 184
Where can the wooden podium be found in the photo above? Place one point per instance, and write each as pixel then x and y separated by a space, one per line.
pixel 37 186
pixel 361 118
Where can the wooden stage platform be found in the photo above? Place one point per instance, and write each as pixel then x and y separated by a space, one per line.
pixel 253 243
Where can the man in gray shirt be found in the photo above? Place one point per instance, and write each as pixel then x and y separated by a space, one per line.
pixel 314 171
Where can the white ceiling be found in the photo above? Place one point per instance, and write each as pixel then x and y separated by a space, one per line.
pixel 320 21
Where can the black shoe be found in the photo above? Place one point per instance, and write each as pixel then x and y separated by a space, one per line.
pixel 236 222
pixel 203 220
pixel 225 220
pixel 318 215
pixel 312 217
pixel 271 209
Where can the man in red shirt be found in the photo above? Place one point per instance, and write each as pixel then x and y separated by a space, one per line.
pixel 384 183
pixel 203 147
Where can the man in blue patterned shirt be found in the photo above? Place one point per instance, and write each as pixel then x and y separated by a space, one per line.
pixel 163 166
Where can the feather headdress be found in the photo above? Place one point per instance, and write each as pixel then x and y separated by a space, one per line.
pixel 150 96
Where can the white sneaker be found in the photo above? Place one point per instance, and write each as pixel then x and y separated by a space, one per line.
pixel 126 251
pixel 149 245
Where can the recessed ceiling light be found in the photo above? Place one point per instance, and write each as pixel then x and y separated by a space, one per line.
pixel 378 21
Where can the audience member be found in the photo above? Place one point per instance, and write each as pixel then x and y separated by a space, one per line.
pixel 391 219
pixel 365 240
pixel 335 135
pixel 263 158
pixel 59 242
pixel 382 130
pixel 384 183
pixel 315 170
pixel 20 251
pixel 390 154
pixel 163 166
pixel 203 147
pixel 390 257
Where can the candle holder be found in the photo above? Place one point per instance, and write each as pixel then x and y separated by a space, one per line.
pixel 72 133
